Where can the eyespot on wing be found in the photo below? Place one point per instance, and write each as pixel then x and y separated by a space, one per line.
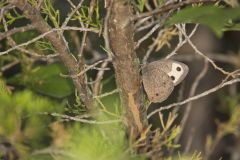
pixel 178 72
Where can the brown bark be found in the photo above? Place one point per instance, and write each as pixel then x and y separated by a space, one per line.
pixel 126 66
pixel 73 66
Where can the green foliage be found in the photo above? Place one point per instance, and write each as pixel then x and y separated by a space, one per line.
pixel 29 131
pixel 46 80
pixel 33 2
pixel 51 13
pixel 84 17
pixel 97 142
pixel 161 2
pixel 2 3
pixel 45 46
pixel 230 105
pixel 169 131
pixel 77 108
pixel 140 5
pixel 33 131
pixel 22 123
pixel 232 27
pixel 214 17
pixel 42 46
pixel 11 17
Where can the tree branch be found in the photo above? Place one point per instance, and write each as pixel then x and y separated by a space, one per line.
pixel 69 61
pixel 16 30
pixel 126 67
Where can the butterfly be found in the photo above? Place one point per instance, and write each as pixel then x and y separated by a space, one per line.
pixel 160 77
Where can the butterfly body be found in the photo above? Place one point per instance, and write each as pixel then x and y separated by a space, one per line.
pixel 160 77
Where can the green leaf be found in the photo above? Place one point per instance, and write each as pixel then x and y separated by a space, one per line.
pixel 234 27
pixel 22 37
pixel 214 17
pixel 47 80
pixel 140 5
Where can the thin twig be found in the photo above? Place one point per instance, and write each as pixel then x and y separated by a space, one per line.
pixel 156 27
pixel 201 54
pixel 16 30
pixel 181 42
pixel 189 106
pixel 64 116
pixel 9 65
pixel 154 44
pixel 219 57
pixel 203 94
pixel 142 21
pixel 78 13
pixel 22 49
pixel 190 140
pixel 39 5
pixel 168 7
pixel 43 35
pixel 5 9
pixel 87 68
pixel 99 76
pixel 107 94
pixel 80 52
pixel 71 14
pixel 54 151
pixel 149 51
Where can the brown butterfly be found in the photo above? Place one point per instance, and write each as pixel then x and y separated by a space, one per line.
pixel 160 77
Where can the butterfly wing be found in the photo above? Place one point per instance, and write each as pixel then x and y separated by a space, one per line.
pixel 157 84
pixel 177 71
pixel 164 65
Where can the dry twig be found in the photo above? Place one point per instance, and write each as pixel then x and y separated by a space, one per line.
pixel 190 99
